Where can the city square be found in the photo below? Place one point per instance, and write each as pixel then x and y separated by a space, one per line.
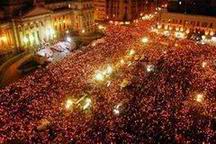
pixel 141 82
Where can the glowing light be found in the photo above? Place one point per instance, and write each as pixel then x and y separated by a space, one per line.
pixel 31 38
pixel 145 40
pixel 69 39
pixel 99 77
pixel 203 37
pixel 67 31
pixel 124 83
pixel 116 110
pixel 3 38
pixel 109 83
pixel 25 40
pixel 179 35
pixel 87 103
pixel 176 45
pixel 50 32
pixel 109 70
pixel 111 22
pixel 68 104
pixel 83 31
pixel 116 23
pixel 199 98
pixel 93 44
pixel 131 52
pixel 150 68
pixel 122 61
pixel 212 33
pixel 166 33
pixel 213 39
pixel 170 28
pixel 166 27
pixel 129 63
pixel 204 64
pixel 159 26
pixel 127 23
pixel 101 27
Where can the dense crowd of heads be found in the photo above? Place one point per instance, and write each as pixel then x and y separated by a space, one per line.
pixel 169 95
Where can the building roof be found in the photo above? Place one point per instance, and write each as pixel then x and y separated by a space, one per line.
pixel 36 11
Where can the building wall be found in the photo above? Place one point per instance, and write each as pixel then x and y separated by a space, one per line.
pixel 33 31
pixel 204 24
pixel 30 32
pixel 84 16
pixel 128 10
pixel 100 9
pixel 7 42
pixel 62 22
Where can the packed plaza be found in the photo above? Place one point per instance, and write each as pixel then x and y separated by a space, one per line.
pixel 136 86
pixel 150 77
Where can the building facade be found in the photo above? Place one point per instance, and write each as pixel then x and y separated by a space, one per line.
pixel 28 24
pixel 196 7
pixel 129 10
pixel 100 9
pixel 189 16
pixel 188 23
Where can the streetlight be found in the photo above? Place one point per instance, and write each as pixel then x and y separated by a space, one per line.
pixel 99 77
pixel 199 98
pixel 131 52
pixel 145 40
pixel 68 39
pixel 68 104
pixel 150 68
pixel 87 103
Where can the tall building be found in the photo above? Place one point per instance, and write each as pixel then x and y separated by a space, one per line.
pixel 129 10
pixel 197 7
pixel 190 16
pixel 123 10
pixel 100 9
pixel 26 24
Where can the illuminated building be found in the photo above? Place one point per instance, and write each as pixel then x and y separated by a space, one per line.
pixel 100 9
pixel 129 10
pixel 27 24
pixel 197 7
pixel 184 19
pixel 125 10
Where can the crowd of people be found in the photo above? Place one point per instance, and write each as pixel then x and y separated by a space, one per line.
pixel 169 95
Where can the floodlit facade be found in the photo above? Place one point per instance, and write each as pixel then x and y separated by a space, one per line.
pixel 191 23
pixel 124 10
pixel 28 24
pixel 182 17
pixel 100 9
pixel 129 10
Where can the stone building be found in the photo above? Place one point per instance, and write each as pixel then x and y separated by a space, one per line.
pixel 129 10
pixel 181 17
pixel 188 23
pixel 100 10
pixel 27 24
